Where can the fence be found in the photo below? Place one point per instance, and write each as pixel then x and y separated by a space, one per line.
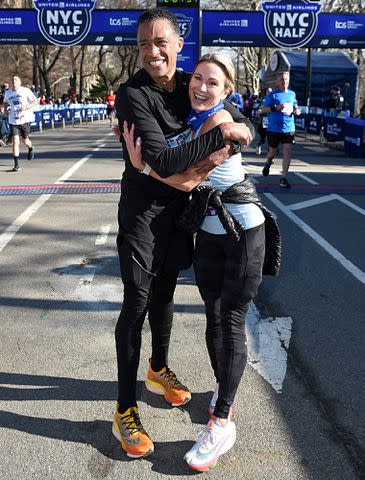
pixel 50 116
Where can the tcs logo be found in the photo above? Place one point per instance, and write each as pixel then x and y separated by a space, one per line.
pixel 340 24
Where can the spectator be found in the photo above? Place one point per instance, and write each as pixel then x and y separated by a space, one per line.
pixel 263 123
pixel 236 99
pixel 335 99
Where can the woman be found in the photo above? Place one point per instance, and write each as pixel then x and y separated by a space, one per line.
pixel 228 266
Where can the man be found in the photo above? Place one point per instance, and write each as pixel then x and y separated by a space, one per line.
pixel 21 101
pixel 335 99
pixel 110 106
pixel 151 249
pixel 281 105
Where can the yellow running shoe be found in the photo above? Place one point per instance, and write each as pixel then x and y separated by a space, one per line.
pixel 165 383
pixel 128 429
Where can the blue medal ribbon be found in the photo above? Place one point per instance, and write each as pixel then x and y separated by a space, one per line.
pixel 195 120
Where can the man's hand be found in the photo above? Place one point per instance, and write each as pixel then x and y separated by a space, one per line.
pixel 208 163
pixel 238 132
pixel 297 111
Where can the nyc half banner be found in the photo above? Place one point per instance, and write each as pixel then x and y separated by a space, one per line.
pixel 283 24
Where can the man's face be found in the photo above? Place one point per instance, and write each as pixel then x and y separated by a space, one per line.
pixel 284 80
pixel 158 47
pixel 16 82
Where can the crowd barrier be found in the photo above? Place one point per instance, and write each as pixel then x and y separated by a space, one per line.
pixel 59 115
pixel 334 126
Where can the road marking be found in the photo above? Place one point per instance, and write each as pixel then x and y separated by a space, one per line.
pixel 103 235
pixel 349 204
pixel 307 179
pixel 12 229
pixel 349 266
pixel 267 343
pixel 311 203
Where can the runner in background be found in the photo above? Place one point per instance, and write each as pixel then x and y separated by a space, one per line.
pixel 21 101
pixel 281 105
pixel 110 106
pixel 263 122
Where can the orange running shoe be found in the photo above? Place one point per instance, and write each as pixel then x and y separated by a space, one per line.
pixel 165 383
pixel 128 429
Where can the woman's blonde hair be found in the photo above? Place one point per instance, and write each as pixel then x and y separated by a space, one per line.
pixel 224 63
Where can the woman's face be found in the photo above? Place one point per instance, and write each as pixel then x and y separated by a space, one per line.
pixel 207 86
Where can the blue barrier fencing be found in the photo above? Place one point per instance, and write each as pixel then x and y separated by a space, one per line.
pixel 354 133
pixel 53 115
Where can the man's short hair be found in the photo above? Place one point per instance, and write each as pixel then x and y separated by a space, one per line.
pixel 153 14
pixel 336 88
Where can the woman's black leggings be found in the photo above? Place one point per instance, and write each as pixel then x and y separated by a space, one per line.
pixel 142 293
pixel 228 274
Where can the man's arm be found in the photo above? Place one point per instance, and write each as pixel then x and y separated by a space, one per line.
pixel 133 106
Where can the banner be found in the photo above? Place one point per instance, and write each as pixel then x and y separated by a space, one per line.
pixel 106 27
pixel 219 28
pixel 243 29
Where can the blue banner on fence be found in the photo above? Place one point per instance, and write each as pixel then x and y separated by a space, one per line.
pixel 354 133
pixel 334 129
pixel 49 115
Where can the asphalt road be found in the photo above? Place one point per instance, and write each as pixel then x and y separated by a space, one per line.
pixel 300 407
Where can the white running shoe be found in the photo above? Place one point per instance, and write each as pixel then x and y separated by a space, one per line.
pixel 213 400
pixel 213 441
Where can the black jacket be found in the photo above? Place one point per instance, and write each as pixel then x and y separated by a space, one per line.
pixel 243 192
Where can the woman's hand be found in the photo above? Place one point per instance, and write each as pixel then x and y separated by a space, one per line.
pixel 134 149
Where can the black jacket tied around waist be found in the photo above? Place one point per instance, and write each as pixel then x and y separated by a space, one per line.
pixel 243 192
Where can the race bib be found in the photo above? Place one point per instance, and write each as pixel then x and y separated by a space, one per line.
pixel 288 109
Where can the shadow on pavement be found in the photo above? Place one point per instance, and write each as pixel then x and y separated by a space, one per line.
pixel 168 456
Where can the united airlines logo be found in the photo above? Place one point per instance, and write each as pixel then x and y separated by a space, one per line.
pixel 291 24
pixel 64 23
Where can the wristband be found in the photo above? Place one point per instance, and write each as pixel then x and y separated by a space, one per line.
pixel 146 169
pixel 273 108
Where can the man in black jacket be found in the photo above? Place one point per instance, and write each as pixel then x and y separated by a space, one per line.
pixel 151 249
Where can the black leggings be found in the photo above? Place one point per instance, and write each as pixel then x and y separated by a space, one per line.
pixel 228 274
pixel 142 293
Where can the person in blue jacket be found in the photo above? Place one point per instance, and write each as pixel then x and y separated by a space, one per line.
pixel 281 105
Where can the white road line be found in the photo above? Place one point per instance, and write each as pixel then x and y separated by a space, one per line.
pixel 307 179
pixel 103 235
pixel 12 229
pixel 349 266
pixel 73 169
pixel 311 203
pixel 267 343
pixel 348 203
